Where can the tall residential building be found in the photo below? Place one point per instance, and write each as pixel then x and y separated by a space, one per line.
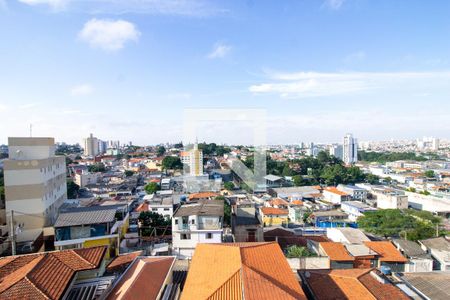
pixel 91 146
pixel 35 182
pixel 350 151
pixel 435 144
pixel 102 146
pixel 336 151
pixel 194 159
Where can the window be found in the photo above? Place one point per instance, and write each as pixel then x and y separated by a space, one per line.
pixel 154 209
pixel 166 209
pixel 193 221
pixel 209 236
pixel 185 236
pixel 176 221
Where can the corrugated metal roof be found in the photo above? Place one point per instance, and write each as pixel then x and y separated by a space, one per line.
pixel 86 217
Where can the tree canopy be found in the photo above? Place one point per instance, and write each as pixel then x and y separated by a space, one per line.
pixel 151 188
pixel 160 150
pixel 98 167
pixel 413 225
pixel 295 251
pixel 72 189
pixel 152 222
pixel 383 157
pixel 172 163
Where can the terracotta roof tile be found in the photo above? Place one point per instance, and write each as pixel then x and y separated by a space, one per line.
pixel 240 270
pixel 350 284
pixel 387 251
pixel 143 280
pixel 336 191
pixel 336 251
pixel 202 195
pixel 274 211
pixel 45 275
pixel 123 260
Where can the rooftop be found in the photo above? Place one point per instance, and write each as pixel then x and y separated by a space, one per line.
pixel 387 251
pixel 274 211
pixel 251 271
pixel 85 216
pixel 144 279
pixel 205 207
pixel 336 251
pixel 434 285
pixel 335 191
pixel 123 260
pixel 409 248
pixel 439 243
pixel 45 275
pixel 350 284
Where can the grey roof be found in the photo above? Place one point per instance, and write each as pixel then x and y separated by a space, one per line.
pixel 205 207
pixel 360 250
pixel 357 204
pixel 329 213
pixel 353 235
pixel 85 216
pixel 439 243
pixel 434 285
pixel 409 248
pixel 271 177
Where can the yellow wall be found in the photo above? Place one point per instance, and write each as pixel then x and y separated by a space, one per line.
pixel 269 221
pixel 103 242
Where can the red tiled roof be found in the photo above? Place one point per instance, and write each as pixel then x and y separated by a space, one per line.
pixel 123 260
pixel 387 251
pixel 143 280
pixel 350 284
pixel 336 251
pixel 142 207
pixel 336 191
pixel 278 202
pixel 250 271
pixel 274 211
pixel 45 275
pixel 202 195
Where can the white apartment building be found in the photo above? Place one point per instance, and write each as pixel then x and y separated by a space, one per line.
pixel 91 146
pixel 197 222
pixel 350 149
pixel 86 178
pixel 35 182
pixel 194 159
pixel 337 151
pixel 355 209
pixel 388 198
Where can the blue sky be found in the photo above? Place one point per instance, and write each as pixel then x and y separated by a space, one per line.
pixel 127 69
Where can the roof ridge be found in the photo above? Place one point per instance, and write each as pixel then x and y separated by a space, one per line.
pixel 37 288
pixel 80 256
pixel 13 278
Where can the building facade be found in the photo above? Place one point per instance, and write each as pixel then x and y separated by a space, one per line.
pixel 194 160
pixel 91 146
pixel 350 149
pixel 35 182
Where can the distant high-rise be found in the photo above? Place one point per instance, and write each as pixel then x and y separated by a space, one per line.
pixel 91 146
pixel 35 182
pixel 336 151
pixel 435 144
pixel 350 149
pixel 194 159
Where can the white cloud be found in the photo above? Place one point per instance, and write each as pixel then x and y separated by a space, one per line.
pixel 54 4
pixel 82 90
pixel 316 84
pixel 220 50
pixel 28 105
pixel 333 4
pixel 3 108
pixel 108 35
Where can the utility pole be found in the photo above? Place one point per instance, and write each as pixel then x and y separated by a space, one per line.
pixel 437 230
pixel 13 234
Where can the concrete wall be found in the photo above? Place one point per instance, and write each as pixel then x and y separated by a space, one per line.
pixel 309 263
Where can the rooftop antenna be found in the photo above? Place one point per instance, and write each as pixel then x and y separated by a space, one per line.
pixel 31 130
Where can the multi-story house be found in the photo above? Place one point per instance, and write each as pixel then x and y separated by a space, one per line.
pixel 85 227
pixel 35 182
pixel 196 222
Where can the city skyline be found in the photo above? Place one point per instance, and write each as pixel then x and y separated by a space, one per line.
pixel 322 69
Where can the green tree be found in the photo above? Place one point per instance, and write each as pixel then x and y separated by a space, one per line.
pixel 228 186
pixel 172 163
pixel 426 193
pixel 72 189
pixel 160 150
pixel 299 181
pixel 372 179
pixel 411 224
pixel 98 167
pixel 429 174
pixel 151 188
pixel 129 173
pixel 152 222
pixel 295 251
